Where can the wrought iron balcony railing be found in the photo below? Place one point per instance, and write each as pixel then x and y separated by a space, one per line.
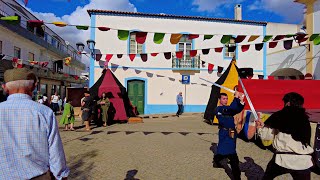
pixel 186 62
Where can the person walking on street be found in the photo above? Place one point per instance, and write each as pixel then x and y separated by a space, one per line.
pixel 104 102
pixel 290 131
pixel 68 116
pixel 179 100
pixel 54 103
pixel 227 132
pixel 30 143
pixel 87 108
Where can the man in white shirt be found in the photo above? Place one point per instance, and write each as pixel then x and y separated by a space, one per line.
pixel 54 103
pixel 290 131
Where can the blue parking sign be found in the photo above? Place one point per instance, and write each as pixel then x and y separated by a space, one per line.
pixel 185 79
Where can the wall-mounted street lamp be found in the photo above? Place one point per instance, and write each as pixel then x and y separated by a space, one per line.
pixel 91 44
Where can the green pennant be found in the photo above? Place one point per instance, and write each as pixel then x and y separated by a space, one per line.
pixel 207 37
pixel 10 18
pixel 316 41
pixel 225 39
pixel 82 27
pixel 123 34
pixel 267 38
pixel 158 38
pixel 313 36
pixel 290 35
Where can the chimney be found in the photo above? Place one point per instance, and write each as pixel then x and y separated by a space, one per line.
pixel 238 12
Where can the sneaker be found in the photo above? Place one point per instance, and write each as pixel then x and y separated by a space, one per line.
pixel 215 165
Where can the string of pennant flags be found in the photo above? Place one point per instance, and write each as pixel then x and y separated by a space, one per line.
pixel 18 63
pixel 287 44
pixel 123 34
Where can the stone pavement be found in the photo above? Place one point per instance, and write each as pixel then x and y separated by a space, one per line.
pixel 159 148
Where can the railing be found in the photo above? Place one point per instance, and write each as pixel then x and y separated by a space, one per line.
pixel 66 50
pixel 186 62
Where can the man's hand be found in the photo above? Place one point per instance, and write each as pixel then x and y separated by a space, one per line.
pixel 259 124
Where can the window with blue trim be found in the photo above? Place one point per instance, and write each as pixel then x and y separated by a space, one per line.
pixel 135 48
pixel 185 45
pixel 227 47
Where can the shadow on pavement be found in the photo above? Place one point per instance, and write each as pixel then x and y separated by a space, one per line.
pixel 130 175
pixel 252 170
pixel 79 165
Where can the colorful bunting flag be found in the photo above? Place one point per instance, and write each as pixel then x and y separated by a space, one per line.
pixel 179 54
pixel 158 38
pixel 123 35
pixel 171 79
pixel 302 40
pixel 220 69
pixel 119 56
pixel 267 38
pixel 60 24
pixel 33 62
pixel 17 63
pixel 101 28
pixel 175 38
pixel 203 63
pixel 193 36
pixel 207 37
pixel 210 67
pixel 279 37
pixel 43 64
pixel 98 57
pixel 108 57
pixel 225 39
pixel 287 44
pixel 313 36
pixel 144 57
pixel 240 38
pixel 167 55
pixel 125 68
pixel 82 27
pixel 260 76
pixel 10 18
pixel 219 49
pixel 35 23
pixel 67 61
pixel 205 51
pixel 316 41
pixel 259 46
pixel 137 71
pixel 193 53
pixel 245 48
pixel 253 38
pixel 149 74
pixel 141 37
pixel 273 44
pixel 154 54
pixel 232 48
pixel 132 56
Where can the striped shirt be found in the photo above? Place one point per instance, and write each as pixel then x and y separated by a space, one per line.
pixel 30 142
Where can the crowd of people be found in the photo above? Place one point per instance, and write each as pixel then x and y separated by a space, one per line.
pixel 31 147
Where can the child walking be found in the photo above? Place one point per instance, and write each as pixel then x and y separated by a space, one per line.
pixel 68 116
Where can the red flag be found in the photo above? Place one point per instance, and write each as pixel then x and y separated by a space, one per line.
pixel 179 54
pixel 240 38
pixel 210 67
pixel 154 54
pixel 273 44
pixel 193 36
pixel 98 57
pixel 245 48
pixel 141 37
pixel 219 49
pixel 132 56
pixel 101 28
pixel 193 53
pixel 108 57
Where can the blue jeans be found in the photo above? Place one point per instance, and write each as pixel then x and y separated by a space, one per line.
pixel 180 106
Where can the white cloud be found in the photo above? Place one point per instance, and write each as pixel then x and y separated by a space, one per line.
pixel 291 11
pixel 212 5
pixel 81 17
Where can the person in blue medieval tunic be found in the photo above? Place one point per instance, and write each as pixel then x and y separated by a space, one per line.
pixel 227 131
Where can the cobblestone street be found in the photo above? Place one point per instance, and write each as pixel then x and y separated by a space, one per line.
pixel 162 148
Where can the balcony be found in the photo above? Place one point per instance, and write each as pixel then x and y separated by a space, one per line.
pixel 186 63
pixel 43 39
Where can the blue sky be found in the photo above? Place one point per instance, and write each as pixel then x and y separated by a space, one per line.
pixel 284 11
pixel 75 11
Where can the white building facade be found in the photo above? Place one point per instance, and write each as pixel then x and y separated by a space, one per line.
pixel 38 44
pixel 148 84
